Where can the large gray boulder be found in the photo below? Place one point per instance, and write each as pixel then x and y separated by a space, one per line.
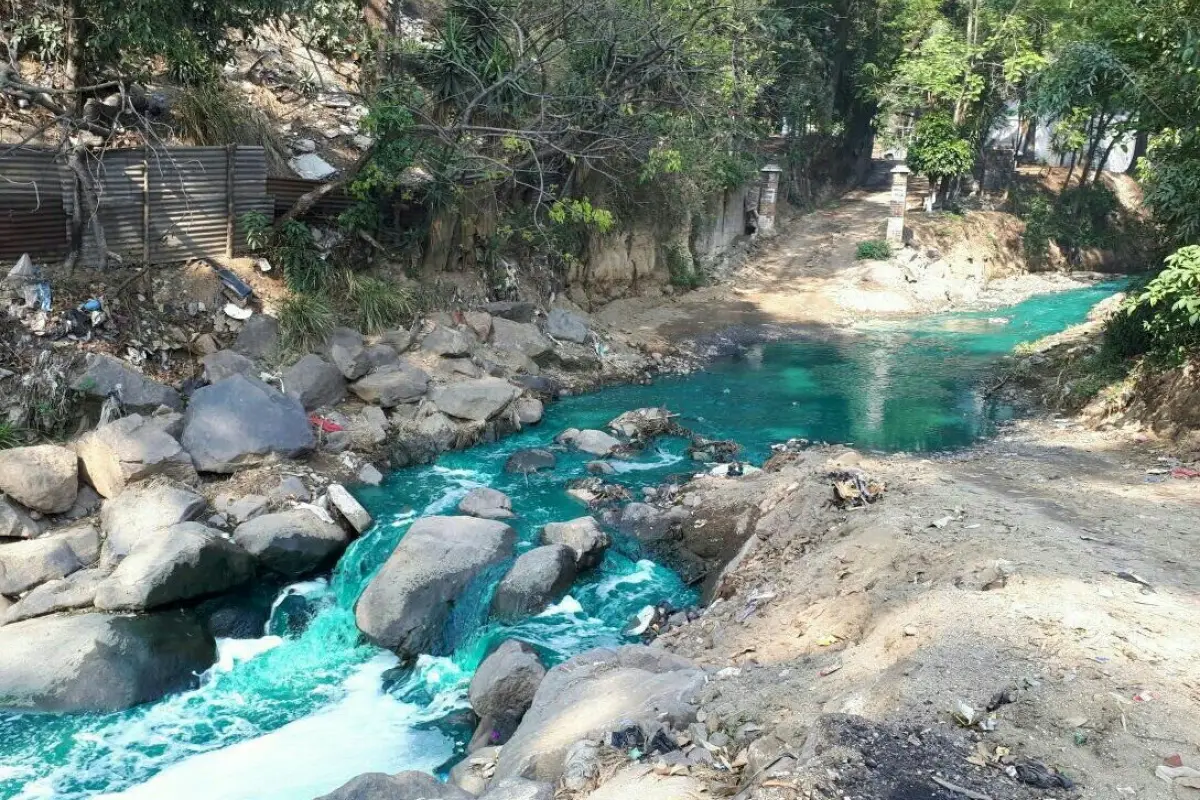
pixel 516 311
pixel 520 337
pixel 525 462
pixel 536 579
pixel 639 686
pixel 506 681
pixel 443 341
pixel 650 524
pixel 404 786
pixel 104 375
pixel 292 543
pixel 100 662
pixel 144 511
pixel 563 324
pixel 43 477
pixel 77 590
pixel 583 535
pixel 314 382
pixel 27 563
pixel 477 400
pixel 15 523
pixel 187 560
pixel 348 353
pixel 259 338
pixel 241 421
pixel 529 410
pixel 131 449
pixel 407 603
pixel 226 363
pixel 389 386
pixel 486 503
pixel 598 443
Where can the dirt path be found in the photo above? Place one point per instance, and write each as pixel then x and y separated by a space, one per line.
pixel 1014 566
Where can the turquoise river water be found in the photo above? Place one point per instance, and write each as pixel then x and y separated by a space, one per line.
pixel 297 712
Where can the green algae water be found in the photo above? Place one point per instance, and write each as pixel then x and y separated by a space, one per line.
pixel 297 712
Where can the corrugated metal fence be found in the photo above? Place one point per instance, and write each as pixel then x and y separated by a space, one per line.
pixel 155 205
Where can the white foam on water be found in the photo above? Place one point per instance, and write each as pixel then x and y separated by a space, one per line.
pixel 461 481
pixel 366 731
pixel 312 588
pixel 567 606
pixel 642 573
pixel 231 652
pixel 661 459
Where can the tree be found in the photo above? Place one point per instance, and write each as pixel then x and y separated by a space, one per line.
pixel 939 152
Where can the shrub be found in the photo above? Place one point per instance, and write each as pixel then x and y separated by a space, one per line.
pixel 305 321
pixel 303 268
pixel 1169 305
pixel 876 249
pixel 377 304
pixel 681 266
pixel 10 436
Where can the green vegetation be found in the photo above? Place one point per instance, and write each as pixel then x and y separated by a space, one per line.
pixel 375 304
pixel 873 249
pixel 305 321
pixel 10 436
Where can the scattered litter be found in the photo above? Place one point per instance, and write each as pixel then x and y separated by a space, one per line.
pixel 941 523
pixel 311 166
pixel 828 639
pixel 832 668
pixel 1143 697
pixel 1039 775
pixel 968 717
pixel 910 630
pixel 1185 472
pixel 325 424
pixel 237 312
pixel 855 489
pixel 1173 760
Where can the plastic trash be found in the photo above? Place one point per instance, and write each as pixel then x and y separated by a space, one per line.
pixel 92 305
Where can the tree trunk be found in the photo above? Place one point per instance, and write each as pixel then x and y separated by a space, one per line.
pixel 1094 139
pixel 73 67
pixel 1103 160
pixel 1070 171
pixel 1141 143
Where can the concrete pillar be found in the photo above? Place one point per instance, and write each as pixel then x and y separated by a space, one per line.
pixel 768 193
pixel 895 223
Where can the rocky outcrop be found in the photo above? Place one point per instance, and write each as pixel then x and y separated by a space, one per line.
pixel 529 410
pixel 25 564
pixel 104 376
pixel 477 400
pixel 583 535
pixel 241 421
pixel 291 543
pixel 502 690
pixel 486 503
pixel 537 578
pixel 651 525
pixel 143 511
pixel 391 386
pixel 444 341
pixel 131 449
pixel 348 353
pixel 520 337
pixel 43 477
pixel 349 508
pixel 15 523
pixel 641 686
pixel 314 382
pixel 563 324
pixel 225 364
pixel 597 443
pixel 406 604
pixel 100 662
pixel 404 786
pixel 186 561
pixel 259 338
pixel 75 591
pixel 525 462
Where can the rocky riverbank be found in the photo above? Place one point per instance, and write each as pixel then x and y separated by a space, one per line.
pixel 172 495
